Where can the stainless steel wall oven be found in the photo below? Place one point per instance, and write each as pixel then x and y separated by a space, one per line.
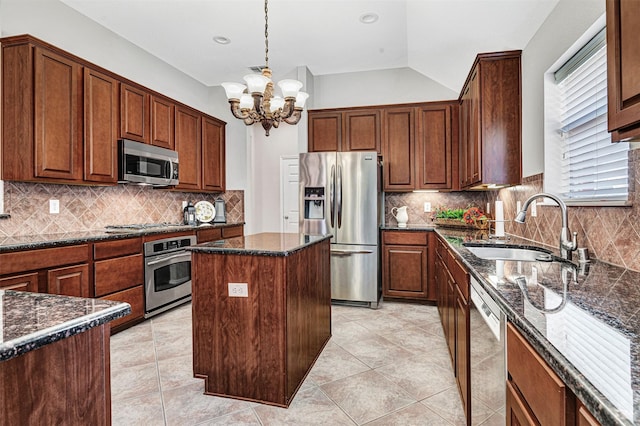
pixel 167 274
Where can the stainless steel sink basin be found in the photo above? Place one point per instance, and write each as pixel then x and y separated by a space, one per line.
pixel 495 252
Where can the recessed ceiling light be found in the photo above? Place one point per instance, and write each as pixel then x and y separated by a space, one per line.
pixel 369 18
pixel 221 40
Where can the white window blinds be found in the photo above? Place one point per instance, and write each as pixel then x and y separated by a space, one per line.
pixel 593 168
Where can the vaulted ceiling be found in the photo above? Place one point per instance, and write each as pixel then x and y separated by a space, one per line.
pixel 438 38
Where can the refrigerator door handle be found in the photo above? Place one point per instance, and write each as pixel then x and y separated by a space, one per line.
pixel 332 198
pixel 339 196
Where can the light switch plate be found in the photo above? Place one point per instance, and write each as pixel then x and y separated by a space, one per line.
pixel 54 206
pixel 238 290
pixel 427 207
pixel 534 208
pixel 518 206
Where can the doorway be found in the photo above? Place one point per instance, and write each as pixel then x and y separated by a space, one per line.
pixel 289 179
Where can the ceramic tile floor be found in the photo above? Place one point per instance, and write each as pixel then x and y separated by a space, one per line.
pixel 381 367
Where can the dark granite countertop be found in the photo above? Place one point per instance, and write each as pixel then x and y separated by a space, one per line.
pixel 583 319
pixel 265 244
pixel 37 241
pixel 29 321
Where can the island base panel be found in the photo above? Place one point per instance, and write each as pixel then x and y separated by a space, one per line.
pixel 65 382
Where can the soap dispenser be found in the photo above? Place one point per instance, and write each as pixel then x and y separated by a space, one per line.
pixel 189 214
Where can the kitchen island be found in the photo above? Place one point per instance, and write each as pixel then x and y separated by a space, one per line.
pixel 261 314
pixel 54 358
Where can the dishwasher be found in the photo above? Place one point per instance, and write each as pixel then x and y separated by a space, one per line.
pixel 487 355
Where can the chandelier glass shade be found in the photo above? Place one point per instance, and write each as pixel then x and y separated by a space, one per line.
pixel 255 101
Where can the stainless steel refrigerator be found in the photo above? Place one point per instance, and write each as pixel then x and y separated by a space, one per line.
pixel 340 195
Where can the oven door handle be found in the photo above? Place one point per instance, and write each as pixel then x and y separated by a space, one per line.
pixel 164 259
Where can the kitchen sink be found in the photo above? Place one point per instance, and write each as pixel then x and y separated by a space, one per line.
pixel 496 252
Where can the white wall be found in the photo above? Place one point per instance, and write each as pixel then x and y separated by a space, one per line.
pixel 58 24
pixel 566 23
pixel 393 86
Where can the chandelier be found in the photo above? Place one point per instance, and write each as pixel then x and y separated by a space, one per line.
pixel 255 102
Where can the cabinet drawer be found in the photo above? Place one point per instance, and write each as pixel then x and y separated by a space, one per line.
pixel 543 391
pixel 206 235
pixel 118 274
pixel 31 260
pixel 232 231
pixel 405 238
pixel 26 282
pixel 133 296
pixel 461 276
pixel 117 248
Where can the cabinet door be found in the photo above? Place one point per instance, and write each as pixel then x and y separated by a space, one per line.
pixel 69 281
pixel 474 144
pixel 405 271
pixel 451 319
pixel 133 296
pixel 135 116
pixel 398 149
pixel 464 134
pixel 325 131
pixel 463 356
pixel 213 155
pixel 100 127
pixel 25 282
pixel 433 147
pixel 517 412
pixel 623 68
pixel 57 135
pixel 584 417
pixel 362 130
pixel 162 122
pixel 188 142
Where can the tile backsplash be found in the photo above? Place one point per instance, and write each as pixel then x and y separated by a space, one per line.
pixel 611 234
pixel 85 208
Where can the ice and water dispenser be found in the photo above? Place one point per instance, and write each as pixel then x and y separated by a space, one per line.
pixel 314 211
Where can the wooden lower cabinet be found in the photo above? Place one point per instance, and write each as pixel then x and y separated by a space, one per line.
pixel 405 259
pixel 24 282
pixel 517 412
pixel 453 305
pixel 118 274
pixel 542 392
pixel 69 280
pixel 214 234
pixel 584 417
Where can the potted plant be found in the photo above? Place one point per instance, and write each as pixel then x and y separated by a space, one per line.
pixel 470 217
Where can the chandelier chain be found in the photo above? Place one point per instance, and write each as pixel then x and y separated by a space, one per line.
pixel 266 34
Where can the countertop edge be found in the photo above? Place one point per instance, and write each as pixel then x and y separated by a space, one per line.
pixel 33 341
pixel 589 395
pixel 210 248
pixel 101 235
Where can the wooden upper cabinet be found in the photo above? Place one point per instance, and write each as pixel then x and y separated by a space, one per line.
pixel 350 129
pixel 434 149
pixel 491 121
pixel 188 130
pixel 100 127
pixel 325 131
pixel 362 130
pixel 213 155
pixel 162 122
pixel 58 142
pixel 42 113
pixel 623 69
pixel 398 148
pixel 135 114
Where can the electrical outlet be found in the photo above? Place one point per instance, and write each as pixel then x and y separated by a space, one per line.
pixel 534 208
pixel 54 206
pixel 427 207
pixel 184 204
pixel 488 210
pixel 518 206
pixel 238 290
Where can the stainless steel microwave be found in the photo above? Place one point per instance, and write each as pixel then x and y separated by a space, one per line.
pixel 146 164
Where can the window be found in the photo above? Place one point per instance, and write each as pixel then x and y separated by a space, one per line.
pixel 591 169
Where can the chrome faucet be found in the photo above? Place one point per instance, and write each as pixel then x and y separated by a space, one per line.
pixel 566 245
